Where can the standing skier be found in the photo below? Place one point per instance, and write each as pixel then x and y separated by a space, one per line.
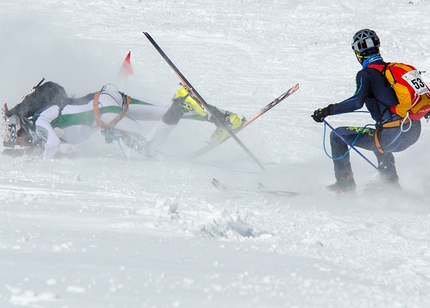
pixel 392 132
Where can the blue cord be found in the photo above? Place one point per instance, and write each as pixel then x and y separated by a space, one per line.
pixel 353 143
pixel 120 146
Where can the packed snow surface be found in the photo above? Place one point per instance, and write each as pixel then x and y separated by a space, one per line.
pixel 102 226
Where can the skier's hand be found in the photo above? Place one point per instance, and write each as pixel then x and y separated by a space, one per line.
pixel 321 113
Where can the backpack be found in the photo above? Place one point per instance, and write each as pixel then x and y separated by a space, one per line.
pixel 411 91
pixel 43 96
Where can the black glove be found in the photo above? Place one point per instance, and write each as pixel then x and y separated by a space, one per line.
pixel 321 113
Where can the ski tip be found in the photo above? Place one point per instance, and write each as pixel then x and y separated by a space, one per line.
pixel 218 185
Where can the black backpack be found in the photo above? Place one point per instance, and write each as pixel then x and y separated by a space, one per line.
pixel 43 96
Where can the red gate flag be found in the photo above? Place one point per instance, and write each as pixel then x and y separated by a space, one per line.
pixel 126 68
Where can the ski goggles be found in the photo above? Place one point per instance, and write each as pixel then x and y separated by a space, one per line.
pixel 359 55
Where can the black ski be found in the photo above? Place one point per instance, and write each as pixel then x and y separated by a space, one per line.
pixel 262 190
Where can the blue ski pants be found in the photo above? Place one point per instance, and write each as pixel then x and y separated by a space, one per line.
pixel 394 139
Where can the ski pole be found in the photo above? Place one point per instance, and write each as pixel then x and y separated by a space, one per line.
pixel 40 82
pixel 348 143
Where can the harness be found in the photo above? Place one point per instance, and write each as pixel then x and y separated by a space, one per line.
pixel 125 104
pixel 391 124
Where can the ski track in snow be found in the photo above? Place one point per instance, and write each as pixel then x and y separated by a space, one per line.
pixel 92 228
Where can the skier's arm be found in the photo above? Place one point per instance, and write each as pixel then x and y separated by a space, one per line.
pixel 355 102
pixel 46 131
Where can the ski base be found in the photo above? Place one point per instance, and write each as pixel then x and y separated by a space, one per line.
pixel 261 190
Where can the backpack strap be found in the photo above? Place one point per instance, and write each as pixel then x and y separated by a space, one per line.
pixel 382 68
pixel 125 103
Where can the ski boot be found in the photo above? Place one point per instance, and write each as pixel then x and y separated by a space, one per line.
pixel 233 121
pixel 344 185
pixel 188 103
pixel 390 182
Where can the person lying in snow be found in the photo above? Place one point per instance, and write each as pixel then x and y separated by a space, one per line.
pixel 47 117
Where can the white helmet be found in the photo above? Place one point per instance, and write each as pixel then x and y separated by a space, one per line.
pixel 365 42
pixel 18 132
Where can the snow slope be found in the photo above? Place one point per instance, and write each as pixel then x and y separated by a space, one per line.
pixel 93 228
